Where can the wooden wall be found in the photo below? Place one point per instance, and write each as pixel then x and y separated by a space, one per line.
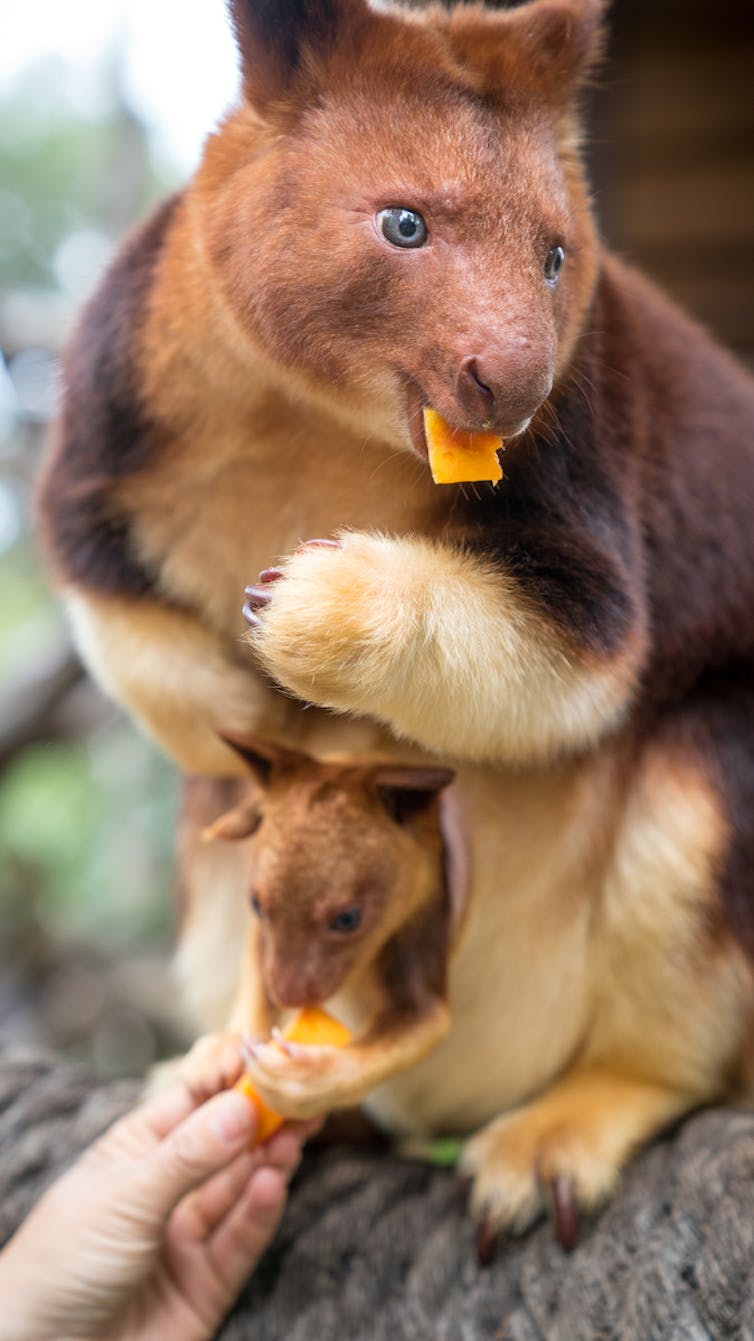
pixel 673 153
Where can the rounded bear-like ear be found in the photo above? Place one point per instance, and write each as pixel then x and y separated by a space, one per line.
pixel 274 38
pixel 241 822
pixel 262 756
pixel 546 47
pixel 406 791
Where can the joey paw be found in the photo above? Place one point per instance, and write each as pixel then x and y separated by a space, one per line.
pixel 297 1080
pixel 214 1063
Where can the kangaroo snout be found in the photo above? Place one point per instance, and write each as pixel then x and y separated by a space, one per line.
pixel 501 389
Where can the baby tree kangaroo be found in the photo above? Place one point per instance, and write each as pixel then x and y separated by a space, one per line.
pixel 350 899
pixel 393 221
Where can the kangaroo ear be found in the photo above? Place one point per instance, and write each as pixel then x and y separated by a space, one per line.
pixel 275 37
pixel 546 47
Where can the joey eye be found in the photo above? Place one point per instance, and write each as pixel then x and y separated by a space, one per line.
pixel 346 921
pixel 256 906
pixel 554 264
pixel 403 228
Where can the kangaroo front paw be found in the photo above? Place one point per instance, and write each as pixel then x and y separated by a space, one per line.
pixel 327 623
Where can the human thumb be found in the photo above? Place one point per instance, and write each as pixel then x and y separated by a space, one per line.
pixel 202 1144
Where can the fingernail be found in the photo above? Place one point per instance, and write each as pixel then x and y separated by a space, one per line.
pixel 232 1119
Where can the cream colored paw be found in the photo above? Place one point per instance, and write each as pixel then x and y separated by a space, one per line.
pixel 333 622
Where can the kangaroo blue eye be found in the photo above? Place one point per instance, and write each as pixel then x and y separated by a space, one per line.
pixel 403 228
pixel 554 264
pixel 349 919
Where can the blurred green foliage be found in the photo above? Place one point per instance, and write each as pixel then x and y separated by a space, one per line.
pixel 87 815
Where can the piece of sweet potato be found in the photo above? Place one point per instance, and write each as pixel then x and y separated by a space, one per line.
pixel 310 1026
pixel 456 457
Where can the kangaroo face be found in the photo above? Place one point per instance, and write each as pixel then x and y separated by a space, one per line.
pixel 416 233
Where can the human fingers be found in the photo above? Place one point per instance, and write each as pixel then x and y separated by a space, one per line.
pixel 283 1150
pixel 198 1214
pixel 202 1210
pixel 207 1141
pixel 244 1235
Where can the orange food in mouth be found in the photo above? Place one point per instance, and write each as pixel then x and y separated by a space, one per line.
pixel 457 457
pixel 310 1026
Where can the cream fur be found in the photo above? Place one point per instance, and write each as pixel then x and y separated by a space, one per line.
pixel 440 646
pixel 181 681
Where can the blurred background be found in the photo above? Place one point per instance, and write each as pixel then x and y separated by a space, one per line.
pixel 103 108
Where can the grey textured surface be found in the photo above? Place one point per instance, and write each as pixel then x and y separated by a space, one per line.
pixel 378 1249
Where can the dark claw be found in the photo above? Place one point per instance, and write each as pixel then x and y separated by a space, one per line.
pixel 268 575
pixel 319 544
pixel 565 1212
pixel 486 1241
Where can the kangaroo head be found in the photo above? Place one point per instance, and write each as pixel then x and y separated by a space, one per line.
pixel 396 216
pixel 340 855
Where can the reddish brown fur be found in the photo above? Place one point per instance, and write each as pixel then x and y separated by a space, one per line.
pixel 263 380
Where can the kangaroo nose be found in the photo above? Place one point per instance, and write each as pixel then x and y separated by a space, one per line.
pixel 503 388
pixel 473 392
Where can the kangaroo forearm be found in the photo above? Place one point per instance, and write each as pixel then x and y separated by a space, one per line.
pixel 444 647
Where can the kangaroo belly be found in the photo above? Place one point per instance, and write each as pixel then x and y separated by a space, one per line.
pixel 520 991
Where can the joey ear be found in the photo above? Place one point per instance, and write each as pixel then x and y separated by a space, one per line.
pixel 545 46
pixel 406 792
pixel 274 38
pixel 262 756
pixel 239 823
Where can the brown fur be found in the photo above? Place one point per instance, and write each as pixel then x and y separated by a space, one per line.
pixel 324 838
pixel 577 641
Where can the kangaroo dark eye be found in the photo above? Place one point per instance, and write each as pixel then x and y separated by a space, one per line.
pixel 554 264
pixel 404 228
pixel 256 906
pixel 349 919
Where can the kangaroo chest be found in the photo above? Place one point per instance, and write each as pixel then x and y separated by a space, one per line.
pixel 247 494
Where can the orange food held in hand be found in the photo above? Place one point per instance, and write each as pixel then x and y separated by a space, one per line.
pixel 311 1026
pixel 460 458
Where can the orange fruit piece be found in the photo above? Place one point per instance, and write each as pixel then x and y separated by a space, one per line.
pixel 456 457
pixel 311 1026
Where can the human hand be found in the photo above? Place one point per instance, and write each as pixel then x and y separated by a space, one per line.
pixel 152 1233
